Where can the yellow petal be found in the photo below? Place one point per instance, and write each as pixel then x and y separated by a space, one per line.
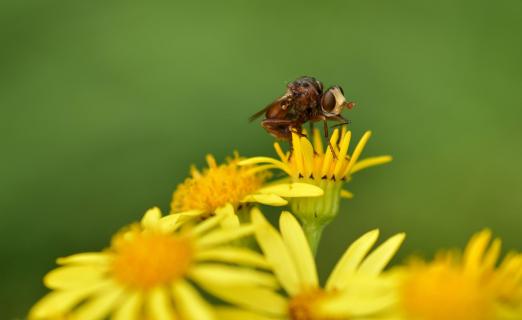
pixel 296 189
pixel 230 219
pixel 224 275
pixel 341 161
pixel 211 161
pixel 90 258
pixel 57 303
pixel 99 306
pixel 68 277
pixel 227 209
pixel 234 255
pixel 130 309
pixel 206 225
pixel 351 259
pixel 357 152
pixel 282 155
pixel 276 252
pixel 370 162
pixel 258 160
pixel 365 298
pixel 328 157
pixel 475 249
pixel 307 152
pixel 159 306
pixel 169 223
pixel 268 199
pixel 250 297
pixel 299 250
pixel 491 257
pixel 380 257
pixel 189 213
pixel 346 194
pixel 297 156
pixel 220 236
pixel 151 218
pixel 261 168
pixel 318 142
pixel 178 219
pixel 190 304
pixel 229 313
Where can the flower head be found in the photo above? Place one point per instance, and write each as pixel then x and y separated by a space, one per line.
pixel 144 273
pixel 464 287
pixel 312 161
pixel 314 164
pixel 355 288
pixel 218 185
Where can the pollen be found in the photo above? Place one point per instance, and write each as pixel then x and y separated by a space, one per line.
pixel 146 259
pixel 304 306
pixel 442 290
pixel 217 186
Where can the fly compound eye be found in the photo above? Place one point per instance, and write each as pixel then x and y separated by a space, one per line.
pixel 328 101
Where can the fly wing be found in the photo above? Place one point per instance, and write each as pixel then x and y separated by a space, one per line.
pixel 278 102
pixel 260 112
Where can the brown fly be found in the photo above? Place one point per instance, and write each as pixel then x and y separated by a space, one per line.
pixel 304 101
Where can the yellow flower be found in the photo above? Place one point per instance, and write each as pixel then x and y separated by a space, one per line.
pixel 467 287
pixel 145 272
pixel 218 185
pixel 314 164
pixel 355 289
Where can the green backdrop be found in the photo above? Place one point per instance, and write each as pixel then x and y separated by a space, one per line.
pixel 105 105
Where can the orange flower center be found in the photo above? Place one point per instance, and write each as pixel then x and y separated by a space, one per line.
pixel 216 186
pixel 444 291
pixel 304 306
pixel 146 259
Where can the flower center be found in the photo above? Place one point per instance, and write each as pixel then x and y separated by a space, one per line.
pixel 144 259
pixel 304 306
pixel 444 291
pixel 216 186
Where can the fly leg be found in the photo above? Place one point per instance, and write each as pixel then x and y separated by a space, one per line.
pixel 279 128
pixel 282 129
pixel 342 121
pixel 325 127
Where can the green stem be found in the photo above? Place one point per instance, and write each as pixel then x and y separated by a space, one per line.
pixel 313 232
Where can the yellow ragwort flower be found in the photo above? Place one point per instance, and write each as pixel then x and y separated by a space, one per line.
pixel 356 288
pixel 218 185
pixel 145 272
pixel 467 287
pixel 317 165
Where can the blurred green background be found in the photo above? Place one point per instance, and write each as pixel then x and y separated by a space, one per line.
pixel 105 105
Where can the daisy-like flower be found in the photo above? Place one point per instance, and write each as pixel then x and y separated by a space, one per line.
pixel 356 288
pixel 218 185
pixel 147 272
pixel 468 286
pixel 312 163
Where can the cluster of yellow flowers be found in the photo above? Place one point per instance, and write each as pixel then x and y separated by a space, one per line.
pixel 216 256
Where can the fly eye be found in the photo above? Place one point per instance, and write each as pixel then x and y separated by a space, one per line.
pixel 328 101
